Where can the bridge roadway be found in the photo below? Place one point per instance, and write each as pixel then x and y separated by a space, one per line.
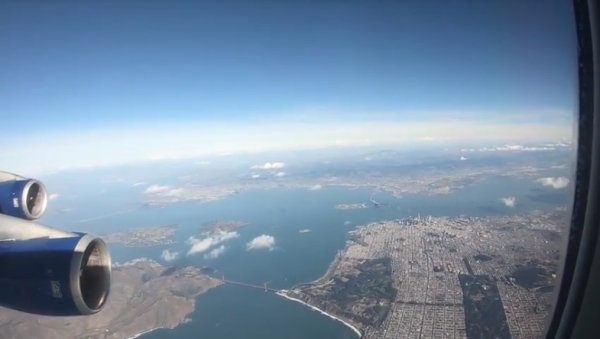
pixel 264 287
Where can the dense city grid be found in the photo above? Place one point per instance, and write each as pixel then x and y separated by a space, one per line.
pixel 450 277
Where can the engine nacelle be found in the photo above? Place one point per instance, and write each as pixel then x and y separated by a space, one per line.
pixel 61 276
pixel 22 198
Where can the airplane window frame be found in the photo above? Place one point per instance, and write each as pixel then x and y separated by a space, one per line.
pixel 575 306
pixel 576 299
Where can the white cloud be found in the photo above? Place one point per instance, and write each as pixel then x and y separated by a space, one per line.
pixel 113 144
pixel 156 189
pixel 347 222
pixel 509 202
pixel 215 253
pixel 169 256
pixel 268 165
pixel 315 188
pixel 202 245
pixel 139 183
pixel 520 148
pixel 280 174
pixel 463 158
pixel 255 176
pixel 261 242
pixel 54 196
pixel 555 183
pixel 516 148
pixel 176 192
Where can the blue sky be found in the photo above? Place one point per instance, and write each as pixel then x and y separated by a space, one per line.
pixel 88 84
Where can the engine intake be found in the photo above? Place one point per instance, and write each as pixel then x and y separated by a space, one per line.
pixel 93 276
pixel 23 198
pixel 55 276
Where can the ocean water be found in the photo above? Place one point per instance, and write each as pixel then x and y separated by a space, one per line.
pixel 231 312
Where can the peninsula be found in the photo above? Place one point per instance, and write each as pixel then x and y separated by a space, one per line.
pixel 143 237
pixel 144 296
pixel 439 275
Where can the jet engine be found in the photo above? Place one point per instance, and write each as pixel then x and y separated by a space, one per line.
pixel 22 197
pixel 45 270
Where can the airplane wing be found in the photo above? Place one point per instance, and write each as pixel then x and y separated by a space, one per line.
pixel 45 270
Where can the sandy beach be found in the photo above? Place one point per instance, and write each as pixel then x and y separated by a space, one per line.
pixel 142 333
pixel 282 293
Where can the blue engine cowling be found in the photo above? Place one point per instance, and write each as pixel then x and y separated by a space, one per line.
pixel 23 198
pixel 55 276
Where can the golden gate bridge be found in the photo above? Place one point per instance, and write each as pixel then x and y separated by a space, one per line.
pixel 263 287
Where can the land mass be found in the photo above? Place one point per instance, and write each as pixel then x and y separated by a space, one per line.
pixel 444 277
pixel 220 225
pixel 144 296
pixel 350 206
pixel 143 237
pixel 394 172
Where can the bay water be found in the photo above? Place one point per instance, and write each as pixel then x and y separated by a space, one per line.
pixel 232 312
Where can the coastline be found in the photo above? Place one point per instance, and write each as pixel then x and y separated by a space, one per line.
pixel 330 270
pixel 142 333
pixel 282 293
pixel 186 319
